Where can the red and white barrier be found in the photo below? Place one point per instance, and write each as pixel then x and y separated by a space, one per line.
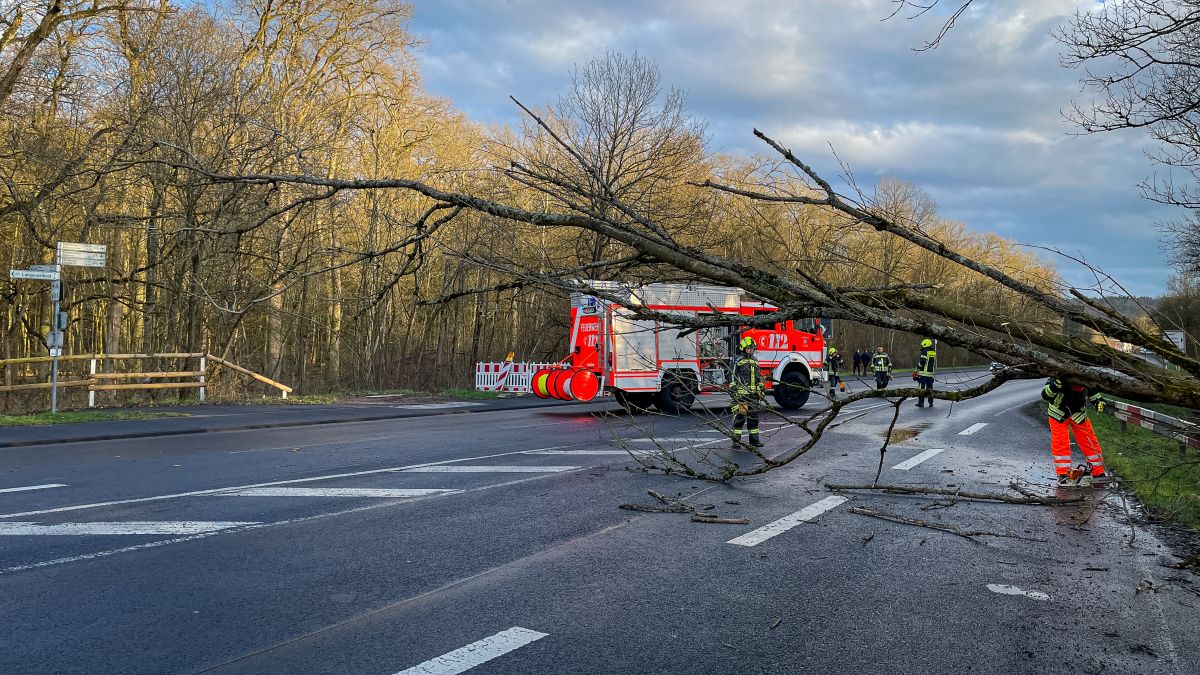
pixel 1183 431
pixel 507 376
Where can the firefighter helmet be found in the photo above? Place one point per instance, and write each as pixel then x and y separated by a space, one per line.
pixel 926 343
pixel 746 343
pixel 833 350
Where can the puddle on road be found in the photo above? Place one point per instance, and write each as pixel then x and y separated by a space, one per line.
pixel 902 434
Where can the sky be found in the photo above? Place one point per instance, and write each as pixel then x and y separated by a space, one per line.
pixel 976 123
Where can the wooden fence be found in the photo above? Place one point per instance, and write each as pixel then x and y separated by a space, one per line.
pixel 99 379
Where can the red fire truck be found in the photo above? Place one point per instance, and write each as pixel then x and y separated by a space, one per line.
pixel 645 363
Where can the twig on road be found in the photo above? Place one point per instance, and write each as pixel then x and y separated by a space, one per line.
pixel 706 518
pixel 960 493
pixel 941 527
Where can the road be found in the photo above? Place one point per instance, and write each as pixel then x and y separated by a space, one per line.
pixel 493 539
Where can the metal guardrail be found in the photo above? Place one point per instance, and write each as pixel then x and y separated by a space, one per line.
pixel 1187 434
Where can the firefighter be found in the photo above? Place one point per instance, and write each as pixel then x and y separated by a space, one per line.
pixel 747 393
pixel 926 366
pixel 833 364
pixel 1067 412
pixel 881 363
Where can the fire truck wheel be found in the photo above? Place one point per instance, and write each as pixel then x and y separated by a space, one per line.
pixel 791 392
pixel 678 392
pixel 636 403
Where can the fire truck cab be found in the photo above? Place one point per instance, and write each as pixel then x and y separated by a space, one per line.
pixel 646 363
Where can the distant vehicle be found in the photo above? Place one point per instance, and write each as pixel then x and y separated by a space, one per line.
pixel 996 366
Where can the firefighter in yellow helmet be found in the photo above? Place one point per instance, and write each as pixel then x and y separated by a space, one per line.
pixel 833 367
pixel 747 393
pixel 926 367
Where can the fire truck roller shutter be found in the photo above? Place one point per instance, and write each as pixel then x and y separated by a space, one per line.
pixel 678 393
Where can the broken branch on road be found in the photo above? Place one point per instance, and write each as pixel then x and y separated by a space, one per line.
pixel 959 493
pixel 941 527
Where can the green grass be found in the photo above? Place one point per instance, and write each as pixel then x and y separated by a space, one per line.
pixel 73 417
pixel 1167 485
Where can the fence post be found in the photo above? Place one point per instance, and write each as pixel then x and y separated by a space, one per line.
pixel 203 369
pixel 91 391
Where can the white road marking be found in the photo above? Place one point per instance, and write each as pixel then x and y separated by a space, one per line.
pixel 18 529
pixel 972 429
pixel 756 537
pixel 910 463
pixel 33 487
pixel 675 439
pixel 376 493
pixel 1005 589
pixel 476 653
pixel 483 468
pixel 437 406
pixel 293 481
pixel 257 526
pixel 586 452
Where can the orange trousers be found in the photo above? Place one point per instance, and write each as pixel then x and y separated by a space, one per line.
pixel 1085 438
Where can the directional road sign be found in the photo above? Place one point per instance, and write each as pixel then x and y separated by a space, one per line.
pixel 32 274
pixel 64 246
pixel 46 268
pixel 82 259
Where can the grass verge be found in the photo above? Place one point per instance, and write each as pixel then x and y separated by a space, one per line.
pixel 1167 485
pixel 73 417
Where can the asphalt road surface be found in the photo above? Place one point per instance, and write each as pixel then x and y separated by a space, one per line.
pixel 493 542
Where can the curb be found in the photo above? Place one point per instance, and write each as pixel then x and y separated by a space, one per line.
pixel 272 425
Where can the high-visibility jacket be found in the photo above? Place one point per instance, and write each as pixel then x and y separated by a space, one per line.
pixel 927 363
pixel 833 362
pixel 747 380
pixel 1067 400
pixel 881 363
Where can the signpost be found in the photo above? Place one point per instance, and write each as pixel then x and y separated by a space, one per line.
pixel 73 254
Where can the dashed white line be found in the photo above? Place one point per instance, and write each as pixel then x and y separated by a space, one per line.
pixel 910 463
pixel 476 653
pixel 1005 589
pixel 972 429
pixel 484 468
pixel 374 493
pixel 756 537
pixel 18 529
pixel 205 535
pixel 196 493
pixel 33 487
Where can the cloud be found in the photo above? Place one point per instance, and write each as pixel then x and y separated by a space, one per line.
pixel 977 123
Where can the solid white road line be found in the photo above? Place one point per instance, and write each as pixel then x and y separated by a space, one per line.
pixel 437 406
pixel 910 463
pixel 487 469
pixel 586 452
pixel 293 481
pixel 972 429
pixel 33 487
pixel 756 537
pixel 1005 589
pixel 376 493
pixel 476 653
pixel 675 439
pixel 178 527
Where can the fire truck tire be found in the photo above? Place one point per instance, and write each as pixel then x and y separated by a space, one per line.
pixel 791 392
pixel 636 402
pixel 678 392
